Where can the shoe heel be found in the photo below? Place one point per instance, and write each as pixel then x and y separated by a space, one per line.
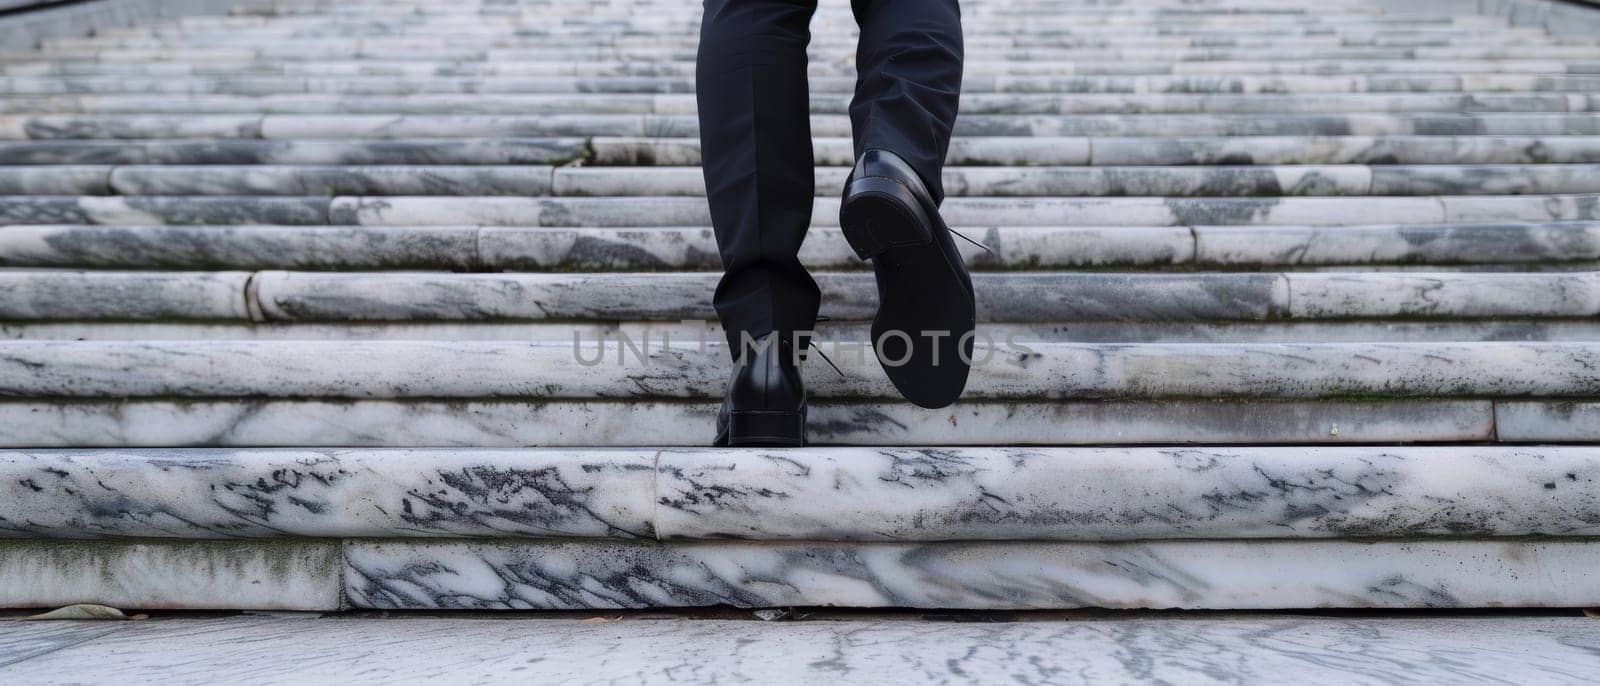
pixel 758 428
pixel 880 213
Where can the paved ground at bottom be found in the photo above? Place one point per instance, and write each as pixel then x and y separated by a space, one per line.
pixel 1053 648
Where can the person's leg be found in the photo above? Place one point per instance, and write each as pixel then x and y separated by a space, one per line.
pixel 755 142
pixel 908 82
pixel 908 87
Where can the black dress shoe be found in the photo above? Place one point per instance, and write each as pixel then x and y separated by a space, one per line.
pixel 926 312
pixel 766 402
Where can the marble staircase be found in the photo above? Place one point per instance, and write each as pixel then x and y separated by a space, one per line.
pixel 405 305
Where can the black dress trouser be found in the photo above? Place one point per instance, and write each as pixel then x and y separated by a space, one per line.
pixel 755 134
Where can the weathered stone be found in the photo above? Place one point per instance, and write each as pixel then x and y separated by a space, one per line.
pixel 1158 574
pixel 175 575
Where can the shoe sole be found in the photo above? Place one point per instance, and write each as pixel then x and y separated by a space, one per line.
pixel 922 286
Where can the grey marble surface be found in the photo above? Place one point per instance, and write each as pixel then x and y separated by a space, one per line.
pixel 156 210
pixel 1316 296
pixel 123 295
pixel 988 150
pixel 1155 574
pixel 1019 297
pixel 356 86
pixel 1275 331
pixel 1575 421
pixel 1055 371
pixel 1120 493
pixel 374 126
pixel 510 424
pixel 344 180
pixel 304 493
pixel 674 211
pixel 694 248
pixel 241 247
pixel 673 61
pixel 1344 150
pixel 462 151
pixel 674 296
pixel 1014 297
pixel 1038 649
pixel 680 104
pixel 268 575
pixel 1517 242
pixel 887 494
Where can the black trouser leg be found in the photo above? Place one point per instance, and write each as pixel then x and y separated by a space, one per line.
pixel 908 82
pixel 755 138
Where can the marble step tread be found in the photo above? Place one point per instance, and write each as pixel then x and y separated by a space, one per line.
pixel 385 126
pixel 684 104
pixel 358 86
pixel 830 27
pixel 479 248
pixel 561 17
pixel 643 18
pixel 1191 49
pixel 1068 59
pixel 1500 329
pixel 830 30
pixel 975 65
pixel 991 151
pixel 327 575
pixel 1022 297
pixel 1253 648
pixel 434 43
pixel 461 151
pixel 1494 45
pixel 813 494
pixel 402 423
pixel 1040 29
pixel 510 180
pixel 988 27
pixel 1156 574
pixel 616 212
pixel 968 151
pixel 1012 369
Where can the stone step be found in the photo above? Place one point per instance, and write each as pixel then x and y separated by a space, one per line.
pixel 816 494
pixel 328 575
pixel 969 151
pixel 587 423
pixel 614 212
pixel 481 47
pixel 975 65
pixel 1505 329
pixel 358 86
pixel 637 211
pixel 486 151
pixel 437 42
pixel 972 150
pixel 672 211
pixel 389 126
pixel 984 648
pixel 1005 297
pixel 683 104
pixel 828 27
pixel 203 370
pixel 1166 574
pixel 233 58
pixel 511 248
pixel 674 20
pixel 1343 180
pixel 516 423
